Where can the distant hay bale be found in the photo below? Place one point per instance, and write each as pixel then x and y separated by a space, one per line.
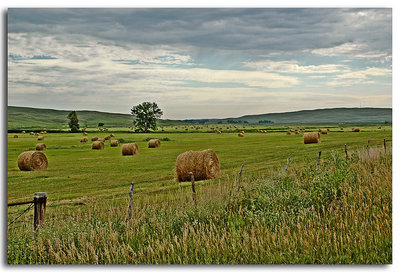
pixel 312 138
pixel 84 140
pixel 114 143
pixel 203 164
pixel 357 129
pixel 36 134
pixel 41 146
pixel 95 139
pixel 23 132
pixel 379 127
pixel 85 134
pixel 98 145
pixel 341 128
pixel 32 161
pixel 101 139
pixel 31 133
pixel 112 135
pixel 323 131
pixel 107 137
pixel 218 132
pixel 129 149
pixel 40 138
pixel 154 143
pixel 241 134
pixel 297 133
pixel 288 133
pixel 15 136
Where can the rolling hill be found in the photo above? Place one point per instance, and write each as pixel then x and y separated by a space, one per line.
pixel 34 118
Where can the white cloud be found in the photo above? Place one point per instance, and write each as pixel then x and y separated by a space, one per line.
pixel 293 66
pixel 355 50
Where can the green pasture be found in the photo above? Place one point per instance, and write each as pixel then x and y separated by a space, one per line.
pixel 76 172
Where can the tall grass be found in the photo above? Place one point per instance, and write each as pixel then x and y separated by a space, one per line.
pixel 340 212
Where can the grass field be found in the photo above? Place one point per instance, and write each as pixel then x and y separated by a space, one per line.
pixel 330 215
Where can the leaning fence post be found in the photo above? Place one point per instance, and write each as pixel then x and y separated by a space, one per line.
pixel 345 150
pixel 287 164
pixel 193 188
pixel 239 176
pixel 130 200
pixel 39 209
pixel 319 156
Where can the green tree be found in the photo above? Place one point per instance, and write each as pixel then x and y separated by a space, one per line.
pixel 145 116
pixel 73 121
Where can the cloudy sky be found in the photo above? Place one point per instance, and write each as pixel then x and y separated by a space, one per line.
pixel 200 63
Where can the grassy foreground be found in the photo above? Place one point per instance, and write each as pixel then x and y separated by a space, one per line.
pixel 339 213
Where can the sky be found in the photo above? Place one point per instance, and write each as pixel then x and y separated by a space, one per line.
pixel 200 63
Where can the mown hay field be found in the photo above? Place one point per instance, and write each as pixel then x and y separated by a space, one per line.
pixel 87 187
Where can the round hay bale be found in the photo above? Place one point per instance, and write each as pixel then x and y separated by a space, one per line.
pixel 130 149
pixel 323 131
pixel 40 138
pixel 31 133
pixel 154 143
pixel 84 140
pixel 101 139
pixel 312 138
pixel 218 132
pixel 241 134
pixel 114 143
pixel 32 161
pixel 98 145
pixel 379 127
pixel 15 136
pixel 36 134
pixel 297 133
pixel 357 129
pixel 107 137
pixel 41 146
pixel 85 134
pixel 23 132
pixel 94 139
pixel 203 164
pixel 112 135
pixel 288 133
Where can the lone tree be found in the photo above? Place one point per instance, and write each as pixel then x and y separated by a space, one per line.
pixel 73 121
pixel 146 115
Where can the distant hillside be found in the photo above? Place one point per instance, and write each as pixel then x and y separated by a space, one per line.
pixel 33 118
pixel 320 116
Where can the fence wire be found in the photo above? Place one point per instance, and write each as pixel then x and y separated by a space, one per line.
pixel 23 212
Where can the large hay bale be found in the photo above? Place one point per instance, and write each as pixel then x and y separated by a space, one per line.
pixel 323 131
pixel 84 140
pixel 32 161
pixel 203 164
pixel 130 149
pixel 114 143
pixel 15 136
pixel 41 146
pixel 40 138
pixel 357 129
pixel 241 134
pixel 98 145
pixel 154 143
pixel 312 138
pixel 95 139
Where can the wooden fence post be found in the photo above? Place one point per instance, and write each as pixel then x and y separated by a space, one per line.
pixel 319 156
pixel 345 150
pixel 39 209
pixel 239 176
pixel 384 144
pixel 130 200
pixel 193 188
pixel 287 164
